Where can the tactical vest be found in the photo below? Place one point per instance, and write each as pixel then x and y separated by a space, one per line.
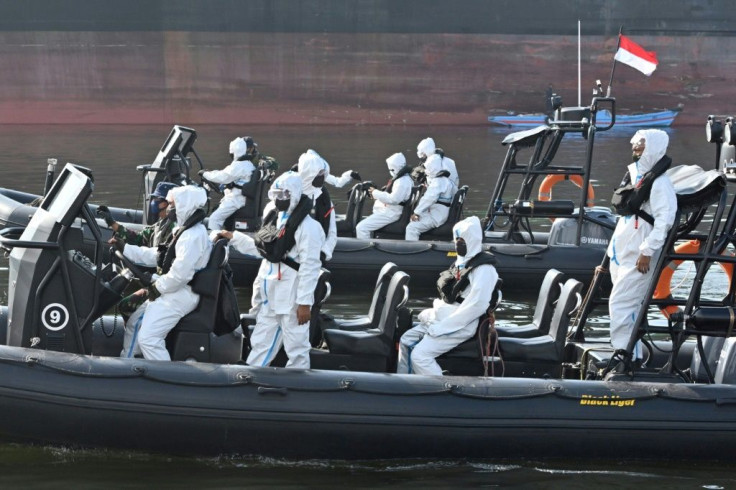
pixel 274 242
pixel 405 170
pixel 453 281
pixel 167 251
pixel 628 199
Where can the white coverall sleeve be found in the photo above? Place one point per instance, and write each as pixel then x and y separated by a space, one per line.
pixel 145 256
pixel 431 195
pixel 339 181
pixel 244 244
pixel 229 174
pixel 400 192
pixel 308 245
pixel 331 239
pixel 663 202
pixel 188 255
pixel 482 282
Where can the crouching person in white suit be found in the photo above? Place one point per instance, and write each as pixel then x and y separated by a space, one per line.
pixel 289 242
pixel 170 297
pixel 466 290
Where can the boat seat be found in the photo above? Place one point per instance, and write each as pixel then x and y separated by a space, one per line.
pixel 726 369
pixel 712 347
pixel 544 354
pixel 549 292
pixel 397 229
pixel 255 191
pixel 193 337
pixel 374 312
pixel 373 349
pixel 444 231
pixel 356 199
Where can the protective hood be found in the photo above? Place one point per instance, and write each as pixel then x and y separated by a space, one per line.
pixel 396 162
pixel 656 147
pixel 310 165
pixel 187 199
pixel 292 182
pixel 238 148
pixel 469 230
pixel 433 166
pixel 426 147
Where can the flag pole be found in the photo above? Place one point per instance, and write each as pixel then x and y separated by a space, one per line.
pixel 579 83
pixel 613 68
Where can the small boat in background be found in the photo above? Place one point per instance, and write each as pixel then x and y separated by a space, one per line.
pixel 648 119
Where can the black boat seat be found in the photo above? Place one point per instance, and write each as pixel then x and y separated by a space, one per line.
pixel 547 348
pixel 549 292
pixel 356 199
pixel 444 231
pixel 726 369
pixel 397 229
pixel 712 347
pixel 255 191
pixel 377 341
pixel 376 308
pixel 193 337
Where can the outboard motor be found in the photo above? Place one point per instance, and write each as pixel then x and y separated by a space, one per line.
pixel 57 292
pixel 564 230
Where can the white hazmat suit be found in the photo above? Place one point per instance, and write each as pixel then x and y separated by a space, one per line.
pixel 147 327
pixel 387 207
pixel 340 181
pixel 427 148
pixel 634 236
pixel 434 206
pixel 238 173
pixel 445 326
pixel 282 288
pixel 310 166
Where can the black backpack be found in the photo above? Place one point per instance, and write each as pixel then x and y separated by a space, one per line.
pixel 628 199
pixel 228 313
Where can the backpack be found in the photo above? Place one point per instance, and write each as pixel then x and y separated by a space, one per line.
pixel 228 313
pixel 628 199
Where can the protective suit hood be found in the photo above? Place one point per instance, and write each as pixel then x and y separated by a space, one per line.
pixel 426 147
pixel 396 162
pixel 187 200
pixel 238 148
pixel 656 147
pixel 292 182
pixel 310 165
pixel 433 166
pixel 469 230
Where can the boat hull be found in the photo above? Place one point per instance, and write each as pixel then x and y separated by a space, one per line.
pixel 651 119
pixel 201 409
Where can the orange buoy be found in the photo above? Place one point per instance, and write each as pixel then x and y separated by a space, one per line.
pixel 545 189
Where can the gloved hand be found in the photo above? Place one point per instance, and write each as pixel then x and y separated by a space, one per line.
pixel 323 257
pixel 118 243
pixel 201 172
pixel 104 213
pixel 153 293
pixel 355 176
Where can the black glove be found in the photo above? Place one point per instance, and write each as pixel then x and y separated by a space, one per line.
pixel 153 293
pixel 322 257
pixel 104 213
pixel 201 172
pixel 118 243
pixel 355 176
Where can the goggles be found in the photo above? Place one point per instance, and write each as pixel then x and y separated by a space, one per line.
pixel 279 194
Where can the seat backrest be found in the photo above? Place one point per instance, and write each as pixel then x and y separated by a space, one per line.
pixel 379 293
pixel 549 292
pixel 396 297
pixel 726 370
pixel 454 215
pixel 398 227
pixel 569 300
pixel 712 347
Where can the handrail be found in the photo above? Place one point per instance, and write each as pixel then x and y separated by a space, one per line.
pixel 9 243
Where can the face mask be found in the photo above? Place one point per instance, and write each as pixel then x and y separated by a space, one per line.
pixel 392 172
pixel 153 211
pixel 282 204
pixel 423 159
pixel 318 181
pixel 635 156
pixel 171 213
pixel 461 248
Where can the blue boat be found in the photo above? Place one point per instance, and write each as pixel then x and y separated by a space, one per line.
pixel 648 119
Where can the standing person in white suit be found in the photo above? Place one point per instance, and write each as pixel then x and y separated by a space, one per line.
pixel 313 171
pixel 389 202
pixel 433 208
pixel 234 176
pixel 170 297
pixel 640 234
pixel 289 242
pixel 466 290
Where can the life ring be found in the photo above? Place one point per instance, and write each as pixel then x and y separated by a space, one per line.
pixel 664 287
pixel 545 189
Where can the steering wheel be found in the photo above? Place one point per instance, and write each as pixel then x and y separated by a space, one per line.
pixel 143 276
pixel 210 186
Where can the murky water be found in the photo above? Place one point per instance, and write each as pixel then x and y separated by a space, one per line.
pixel 113 153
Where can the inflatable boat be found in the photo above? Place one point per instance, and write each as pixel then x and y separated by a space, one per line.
pixel 536 391
pixel 515 222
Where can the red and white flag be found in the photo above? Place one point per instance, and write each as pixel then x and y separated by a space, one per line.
pixel 635 56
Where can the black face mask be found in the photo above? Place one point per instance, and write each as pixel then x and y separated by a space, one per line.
pixel 461 248
pixel 635 157
pixel 318 181
pixel 422 159
pixel 282 204
pixel 171 213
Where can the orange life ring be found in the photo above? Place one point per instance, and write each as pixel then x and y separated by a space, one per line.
pixel 664 287
pixel 545 189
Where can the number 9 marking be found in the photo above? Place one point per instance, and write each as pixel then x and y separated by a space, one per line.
pixel 55 316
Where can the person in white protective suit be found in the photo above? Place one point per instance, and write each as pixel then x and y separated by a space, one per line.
pixel 454 319
pixel 433 208
pixel 287 294
pixel 636 244
pixel 169 297
pixel 340 181
pixel 313 171
pixel 388 206
pixel 426 149
pixel 233 177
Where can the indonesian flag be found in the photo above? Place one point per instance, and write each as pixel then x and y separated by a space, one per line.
pixel 635 56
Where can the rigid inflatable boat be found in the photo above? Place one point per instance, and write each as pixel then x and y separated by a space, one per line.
pixel 516 219
pixel 540 391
